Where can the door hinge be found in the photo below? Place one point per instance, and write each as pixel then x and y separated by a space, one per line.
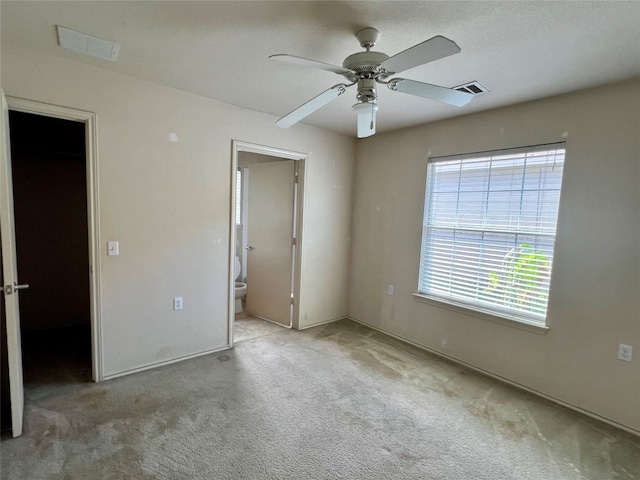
pixel 294 241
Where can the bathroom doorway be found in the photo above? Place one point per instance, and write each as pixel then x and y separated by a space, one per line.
pixel 267 215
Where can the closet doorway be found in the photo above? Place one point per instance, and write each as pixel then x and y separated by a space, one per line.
pixel 52 334
pixel 48 158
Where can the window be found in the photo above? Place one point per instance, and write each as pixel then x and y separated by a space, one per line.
pixel 489 230
pixel 238 197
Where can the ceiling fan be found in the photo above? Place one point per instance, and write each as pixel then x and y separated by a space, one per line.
pixel 367 69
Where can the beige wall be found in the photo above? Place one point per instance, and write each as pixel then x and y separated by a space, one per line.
pixel 168 205
pixel 594 302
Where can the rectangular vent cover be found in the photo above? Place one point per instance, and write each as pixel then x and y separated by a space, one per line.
pixel 474 88
pixel 83 43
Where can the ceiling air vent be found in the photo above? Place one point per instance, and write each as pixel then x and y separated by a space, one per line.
pixel 83 43
pixel 474 88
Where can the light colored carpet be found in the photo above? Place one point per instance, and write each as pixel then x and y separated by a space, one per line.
pixel 334 402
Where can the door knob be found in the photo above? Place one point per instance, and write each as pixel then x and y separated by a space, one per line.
pixel 9 289
pixel 249 248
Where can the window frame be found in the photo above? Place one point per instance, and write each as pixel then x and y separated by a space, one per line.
pixel 486 311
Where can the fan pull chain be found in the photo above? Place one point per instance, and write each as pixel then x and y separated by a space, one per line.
pixel 372 112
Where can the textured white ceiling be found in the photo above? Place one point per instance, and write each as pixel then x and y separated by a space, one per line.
pixel 520 50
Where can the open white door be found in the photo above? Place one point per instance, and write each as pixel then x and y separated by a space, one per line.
pixel 270 240
pixel 10 271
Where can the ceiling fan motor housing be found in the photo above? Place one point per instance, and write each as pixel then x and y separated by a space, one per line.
pixel 364 62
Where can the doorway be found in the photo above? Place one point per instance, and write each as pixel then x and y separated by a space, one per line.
pixel 267 190
pixel 49 236
pixel 48 157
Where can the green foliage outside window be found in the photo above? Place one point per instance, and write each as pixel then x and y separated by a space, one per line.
pixel 519 281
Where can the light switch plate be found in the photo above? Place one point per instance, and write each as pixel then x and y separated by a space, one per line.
pixel 113 249
pixel 177 303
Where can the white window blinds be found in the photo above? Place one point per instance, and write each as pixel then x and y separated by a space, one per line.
pixel 489 230
pixel 238 197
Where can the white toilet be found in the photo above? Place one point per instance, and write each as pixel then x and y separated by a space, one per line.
pixel 241 287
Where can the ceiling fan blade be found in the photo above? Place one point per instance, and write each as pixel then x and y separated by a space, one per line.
pixel 428 51
pixel 366 118
pixel 311 106
pixel 305 62
pixel 432 92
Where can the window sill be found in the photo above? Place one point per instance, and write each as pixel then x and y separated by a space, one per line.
pixel 482 314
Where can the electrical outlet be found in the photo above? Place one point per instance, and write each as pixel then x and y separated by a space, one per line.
pixel 625 352
pixel 177 303
pixel 390 289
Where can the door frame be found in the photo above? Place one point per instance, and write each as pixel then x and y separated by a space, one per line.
pixel 93 212
pixel 238 146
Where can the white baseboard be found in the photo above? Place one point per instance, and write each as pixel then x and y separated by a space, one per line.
pixel 163 363
pixel 504 380
pixel 324 322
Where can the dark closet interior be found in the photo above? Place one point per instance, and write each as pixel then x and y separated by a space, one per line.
pixel 48 163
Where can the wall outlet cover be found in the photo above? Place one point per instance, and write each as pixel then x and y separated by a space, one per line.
pixel 625 352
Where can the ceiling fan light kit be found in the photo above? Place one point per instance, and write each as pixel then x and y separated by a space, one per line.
pixel 366 118
pixel 368 69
